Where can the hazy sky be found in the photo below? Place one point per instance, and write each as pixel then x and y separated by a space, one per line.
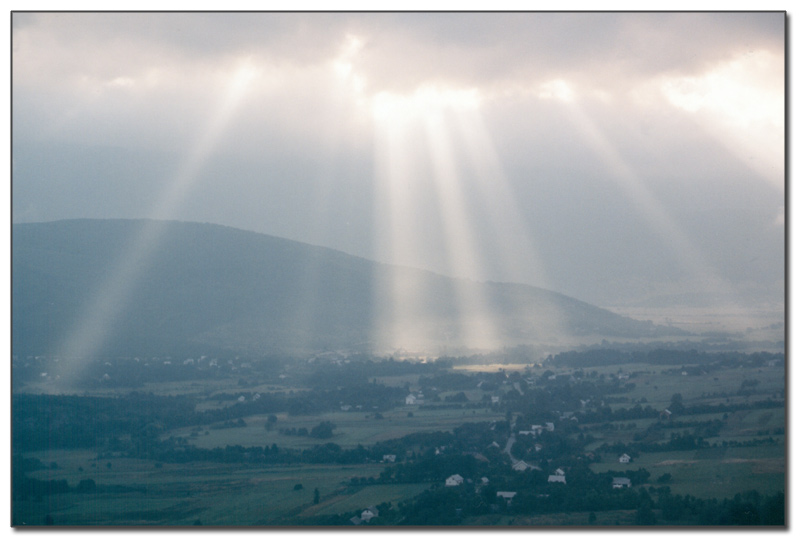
pixel 616 158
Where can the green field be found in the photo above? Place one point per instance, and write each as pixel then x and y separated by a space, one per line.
pixel 716 472
pixel 133 491
pixel 352 428
pixel 180 494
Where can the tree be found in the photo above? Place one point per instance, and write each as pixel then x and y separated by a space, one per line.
pixel 645 514
pixel 323 430
pixel 676 404
pixel 316 495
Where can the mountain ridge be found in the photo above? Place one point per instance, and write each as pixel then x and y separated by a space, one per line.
pixel 196 285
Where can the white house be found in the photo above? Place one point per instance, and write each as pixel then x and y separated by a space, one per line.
pixel 389 458
pixel 559 472
pixel 624 458
pixel 521 466
pixel 550 426
pixel 411 399
pixel 369 513
pixel 507 495
pixel 619 483
pixel 555 478
pixel 454 480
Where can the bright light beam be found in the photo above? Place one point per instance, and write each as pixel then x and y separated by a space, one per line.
pixel 102 312
pixel 399 291
pixel 515 247
pixel 477 324
pixel 649 208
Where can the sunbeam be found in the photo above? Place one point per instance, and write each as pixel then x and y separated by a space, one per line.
pixel 477 326
pixel 514 249
pixel 702 274
pixel 399 293
pixel 413 145
pixel 100 314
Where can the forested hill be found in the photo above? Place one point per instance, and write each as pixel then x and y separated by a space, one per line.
pixel 167 286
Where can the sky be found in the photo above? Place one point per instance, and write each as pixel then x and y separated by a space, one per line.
pixel 631 160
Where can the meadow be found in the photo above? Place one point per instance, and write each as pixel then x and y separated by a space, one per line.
pixel 746 451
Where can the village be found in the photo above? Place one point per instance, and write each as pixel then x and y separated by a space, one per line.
pixel 365 442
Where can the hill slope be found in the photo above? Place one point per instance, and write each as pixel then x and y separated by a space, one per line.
pixel 152 287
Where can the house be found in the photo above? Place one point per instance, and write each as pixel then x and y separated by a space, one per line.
pixel 507 495
pixel 355 520
pixel 624 458
pixel 521 466
pixel 411 399
pixel 484 480
pixel 537 429
pixel 494 444
pixel 389 458
pixel 529 433
pixel 549 426
pixel 495 400
pixel 555 478
pixel 454 480
pixel 665 414
pixel 619 483
pixel 369 513
pixel 559 472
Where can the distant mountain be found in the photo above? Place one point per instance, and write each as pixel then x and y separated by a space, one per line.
pixel 141 287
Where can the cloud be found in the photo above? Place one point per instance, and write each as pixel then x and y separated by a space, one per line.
pixel 109 106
